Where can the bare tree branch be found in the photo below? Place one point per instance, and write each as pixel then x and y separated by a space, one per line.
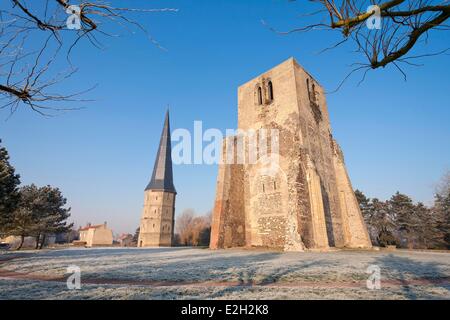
pixel 404 24
pixel 26 72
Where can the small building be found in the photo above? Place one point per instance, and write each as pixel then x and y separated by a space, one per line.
pixel 95 235
pixel 126 240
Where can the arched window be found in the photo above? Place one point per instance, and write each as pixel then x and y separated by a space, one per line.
pixel 259 95
pixel 270 88
pixel 307 86
pixel 313 93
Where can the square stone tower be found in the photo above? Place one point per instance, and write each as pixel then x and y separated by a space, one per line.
pixel 308 201
pixel 157 222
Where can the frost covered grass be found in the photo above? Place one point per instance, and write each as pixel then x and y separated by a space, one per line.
pixel 187 273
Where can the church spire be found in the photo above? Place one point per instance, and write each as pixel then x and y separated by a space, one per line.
pixel 162 177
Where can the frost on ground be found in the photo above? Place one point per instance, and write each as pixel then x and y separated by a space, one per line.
pixel 185 273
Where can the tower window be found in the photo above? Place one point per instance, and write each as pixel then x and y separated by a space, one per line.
pixel 313 93
pixel 264 189
pixel 259 95
pixel 307 86
pixel 274 185
pixel 270 89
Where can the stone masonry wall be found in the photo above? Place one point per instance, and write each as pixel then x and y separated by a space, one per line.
pixel 228 221
pixel 308 202
pixel 157 223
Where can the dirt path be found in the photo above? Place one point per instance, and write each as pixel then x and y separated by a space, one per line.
pixel 12 275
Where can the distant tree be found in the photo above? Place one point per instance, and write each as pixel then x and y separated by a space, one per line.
pixel 406 219
pixel 368 213
pixel 364 202
pixel 70 236
pixel 25 220
pixel 193 230
pixel 40 213
pixel 399 221
pixel 443 187
pixel 183 226
pixel 136 235
pixel 9 195
pixel 384 222
pixel 441 211
pixel 379 220
pixel 176 240
pixel 205 234
pixel 426 231
pixel 200 230
pixel 54 215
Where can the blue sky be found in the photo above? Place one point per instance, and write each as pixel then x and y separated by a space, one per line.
pixel 395 134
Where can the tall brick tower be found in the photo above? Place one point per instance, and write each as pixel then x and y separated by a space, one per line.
pixel 157 222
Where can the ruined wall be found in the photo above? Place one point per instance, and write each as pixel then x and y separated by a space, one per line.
pixel 308 201
pixel 355 231
pixel 315 130
pixel 228 221
pixel 271 199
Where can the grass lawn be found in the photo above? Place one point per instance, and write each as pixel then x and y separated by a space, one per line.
pixel 188 273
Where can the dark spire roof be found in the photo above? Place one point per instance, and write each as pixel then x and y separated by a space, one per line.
pixel 162 178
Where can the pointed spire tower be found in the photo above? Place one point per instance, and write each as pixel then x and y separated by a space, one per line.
pixel 162 177
pixel 157 223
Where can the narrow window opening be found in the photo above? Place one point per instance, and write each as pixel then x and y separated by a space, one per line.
pixel 313 93
pixel 270 86
pixel 260 99
pixel 307 86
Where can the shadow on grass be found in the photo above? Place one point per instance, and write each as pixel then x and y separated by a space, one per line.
pixel 406 270
pixel 250 275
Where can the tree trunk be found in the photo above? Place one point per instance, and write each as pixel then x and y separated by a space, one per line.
pixel 42 242
pixel 37 241
pixel 22 239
